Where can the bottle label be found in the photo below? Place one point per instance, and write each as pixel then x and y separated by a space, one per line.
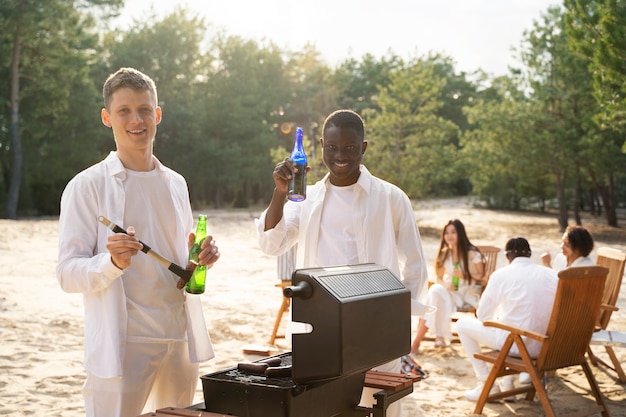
pixel 297 184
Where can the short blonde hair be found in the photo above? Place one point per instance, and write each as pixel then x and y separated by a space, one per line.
pixel 127 78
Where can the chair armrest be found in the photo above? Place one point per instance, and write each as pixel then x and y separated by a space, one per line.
pixel 516 330
pixel 608 307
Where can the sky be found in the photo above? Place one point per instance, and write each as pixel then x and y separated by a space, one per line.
pixel 475 34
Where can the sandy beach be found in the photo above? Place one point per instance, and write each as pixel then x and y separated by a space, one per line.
pixel 41 327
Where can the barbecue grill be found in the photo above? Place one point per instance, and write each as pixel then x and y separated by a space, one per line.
pixel 360 317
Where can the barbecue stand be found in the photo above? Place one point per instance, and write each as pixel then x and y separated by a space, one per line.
pixel 361 318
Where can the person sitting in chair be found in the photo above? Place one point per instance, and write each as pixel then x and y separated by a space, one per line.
pixel 520 294
pixel 576 246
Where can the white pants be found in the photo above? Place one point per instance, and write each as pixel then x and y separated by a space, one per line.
pixel 367 397
pixel 473 334
pixel 156 375
pixel 439 321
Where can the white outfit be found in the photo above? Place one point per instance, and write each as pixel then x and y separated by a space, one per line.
pixel 370 221
pixel 384 226
pixel 126 311
pixel 560 262
pixel 446 302
pixel 520 294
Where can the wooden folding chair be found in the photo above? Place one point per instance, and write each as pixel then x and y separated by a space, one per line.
pixel 614 260
pixel 285 265
pixel 572 322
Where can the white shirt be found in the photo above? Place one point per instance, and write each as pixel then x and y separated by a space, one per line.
pixel 85 265
pixel 155 311
pixel 520 294
pixel 383 223
pixel 560 262
pixel 338 244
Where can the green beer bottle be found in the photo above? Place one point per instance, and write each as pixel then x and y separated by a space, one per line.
pixel 455 278
pixel 196 283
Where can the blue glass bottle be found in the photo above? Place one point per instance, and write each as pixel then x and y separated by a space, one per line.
pixel 297 183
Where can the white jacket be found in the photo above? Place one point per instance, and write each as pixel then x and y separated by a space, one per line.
pixel 85 266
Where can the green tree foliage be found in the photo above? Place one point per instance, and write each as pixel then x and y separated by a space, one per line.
pixel 313 95
pixel 410 145
pixel 358 82
pixel 507 164
pixel 246 86
pixel 50 45
pixel 230 107
pixel 561 86
pixel 597 30
pixel 169 51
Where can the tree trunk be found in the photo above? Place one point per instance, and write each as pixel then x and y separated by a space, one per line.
pixel 16 144
pixel 607 195
pixel 577 200
pixel 608 200
pixel 560 197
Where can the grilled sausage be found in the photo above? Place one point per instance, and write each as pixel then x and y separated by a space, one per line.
pixel 252 367
pixel 272 361
pixel 278 371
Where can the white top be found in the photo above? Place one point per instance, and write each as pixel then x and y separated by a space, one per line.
pixel 155 312
pixel 85 265
pixel 381 221
pixel 337 244
pixel 560 262
pixel 466 293
pixel 520 294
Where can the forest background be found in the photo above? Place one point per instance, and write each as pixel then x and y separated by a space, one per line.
pixel 549 136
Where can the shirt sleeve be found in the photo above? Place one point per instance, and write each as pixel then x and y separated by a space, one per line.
pixel 283 236
pixel 80 268
pixel 488 303
pixel 414 273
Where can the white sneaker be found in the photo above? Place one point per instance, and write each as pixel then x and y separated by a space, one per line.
pixel 474 394
pixel 507 383
pixel 524 378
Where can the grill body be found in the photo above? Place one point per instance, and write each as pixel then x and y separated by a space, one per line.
pixel 361 318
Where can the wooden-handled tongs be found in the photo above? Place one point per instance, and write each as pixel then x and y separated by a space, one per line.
pixel 183 273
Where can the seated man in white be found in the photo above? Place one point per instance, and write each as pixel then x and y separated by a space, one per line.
pixel 521 294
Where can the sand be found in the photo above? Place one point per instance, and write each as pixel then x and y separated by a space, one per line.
pixel 41 327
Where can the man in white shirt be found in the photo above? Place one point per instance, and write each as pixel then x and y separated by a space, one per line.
pixel 143 336
pixel 522 295
pixel 348 217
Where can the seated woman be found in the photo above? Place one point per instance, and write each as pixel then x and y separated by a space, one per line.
pixel 576 246
pixel 459 268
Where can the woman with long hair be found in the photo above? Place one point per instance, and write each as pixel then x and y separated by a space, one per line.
pixel 459 268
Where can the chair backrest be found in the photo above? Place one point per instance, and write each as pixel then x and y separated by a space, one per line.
pixel 490 255
pixel 614 260
pixel 576 308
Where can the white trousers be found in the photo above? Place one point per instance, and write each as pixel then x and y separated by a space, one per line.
pixel 473 334
pixel 156 375
pixel 367 397
pixel 439 321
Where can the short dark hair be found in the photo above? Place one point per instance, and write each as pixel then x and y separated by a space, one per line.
pixel 127 78
pixel 345 119
pixel 580 240
pixel 516 247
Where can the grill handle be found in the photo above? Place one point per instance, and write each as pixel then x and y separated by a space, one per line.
pixel 301 290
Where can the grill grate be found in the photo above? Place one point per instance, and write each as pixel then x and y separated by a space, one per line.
pixel 235 375
pixel 361 283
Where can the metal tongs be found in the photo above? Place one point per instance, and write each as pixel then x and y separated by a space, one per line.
pixel 183 273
